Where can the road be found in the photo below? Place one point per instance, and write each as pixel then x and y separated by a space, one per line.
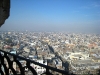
pixel 65 64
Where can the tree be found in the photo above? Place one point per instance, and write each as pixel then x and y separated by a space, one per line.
pixel 8 40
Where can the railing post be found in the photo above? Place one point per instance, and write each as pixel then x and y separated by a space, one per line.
pixel 47 70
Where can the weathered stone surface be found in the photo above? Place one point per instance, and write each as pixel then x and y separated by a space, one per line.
pixel 4 10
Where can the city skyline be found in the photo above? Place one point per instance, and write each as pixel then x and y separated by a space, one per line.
pixel 54 15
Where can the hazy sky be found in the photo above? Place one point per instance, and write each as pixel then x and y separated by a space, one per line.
pixel 54 15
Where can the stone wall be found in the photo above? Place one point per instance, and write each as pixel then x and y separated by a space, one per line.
pixel 4 11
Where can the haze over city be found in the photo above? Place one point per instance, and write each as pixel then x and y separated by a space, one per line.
pixel 54 15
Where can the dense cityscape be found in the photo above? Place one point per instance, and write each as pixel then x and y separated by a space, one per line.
pixel 77 53
pixel 49 37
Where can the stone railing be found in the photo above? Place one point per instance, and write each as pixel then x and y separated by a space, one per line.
pixel 7 67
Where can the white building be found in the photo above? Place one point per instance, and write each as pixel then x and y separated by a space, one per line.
pixel 39 69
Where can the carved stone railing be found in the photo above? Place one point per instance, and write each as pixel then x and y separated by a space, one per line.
pixel 7 61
